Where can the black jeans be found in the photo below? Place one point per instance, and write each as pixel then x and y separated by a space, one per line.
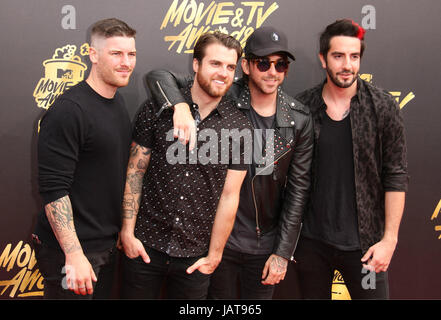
pixel 242 267
pixel 51 262
pixel 316 262
pixel 145 280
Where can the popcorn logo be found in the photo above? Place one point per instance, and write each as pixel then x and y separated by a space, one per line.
pixel 64 70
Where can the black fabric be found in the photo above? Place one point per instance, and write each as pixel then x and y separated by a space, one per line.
pixel 180 198
pixel 281 194
pixel 243 236
pixel 145 280
pixel 263 123
pixel 333 216
pixel 51 263
pixel 316 263
pixel 83 150
pixel 247 269
pixel 379 152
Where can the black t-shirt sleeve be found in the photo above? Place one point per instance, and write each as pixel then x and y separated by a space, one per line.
pixel 61 135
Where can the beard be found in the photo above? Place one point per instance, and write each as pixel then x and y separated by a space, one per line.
pixel 118 83
pixel 206 85
pixel 341 84
pixel 112 78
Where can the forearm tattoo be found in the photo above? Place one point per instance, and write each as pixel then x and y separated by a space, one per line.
pixel 60 216
pixel 129 207
pixel 134 180
pixel 138 163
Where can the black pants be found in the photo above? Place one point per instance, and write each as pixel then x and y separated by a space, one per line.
pixel 316 263
pixel 242 267
pixel 51 262
pixel 145 280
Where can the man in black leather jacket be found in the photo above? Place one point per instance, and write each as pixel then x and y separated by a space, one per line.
pixel 359 174
pixel 273 195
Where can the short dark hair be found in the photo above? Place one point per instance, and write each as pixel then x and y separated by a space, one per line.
pixel 215 37
pixel 112 27
pixel 343 27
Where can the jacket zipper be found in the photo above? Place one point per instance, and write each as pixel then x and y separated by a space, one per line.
pixel 258 230
pixel 297 241
pixel 167 104
pixel 257 214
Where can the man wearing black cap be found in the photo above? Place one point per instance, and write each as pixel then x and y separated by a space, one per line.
pixel 273 195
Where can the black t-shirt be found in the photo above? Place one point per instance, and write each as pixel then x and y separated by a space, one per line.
pixel 83 151
pixel 243 237
pixel 332 216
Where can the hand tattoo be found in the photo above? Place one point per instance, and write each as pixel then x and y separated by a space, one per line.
pixel 279 264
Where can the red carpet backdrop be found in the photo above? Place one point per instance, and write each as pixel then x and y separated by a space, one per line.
pixel 44 52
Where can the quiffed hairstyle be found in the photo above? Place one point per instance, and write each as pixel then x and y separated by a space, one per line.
pixel 111 27
pixel 215 37
pixel 343 27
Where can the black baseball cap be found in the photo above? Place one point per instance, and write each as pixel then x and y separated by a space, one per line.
pixel 265 41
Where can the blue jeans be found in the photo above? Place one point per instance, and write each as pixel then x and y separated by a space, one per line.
pixel 51 262
pixel 239 275
pixel 316 262
pixel 147 280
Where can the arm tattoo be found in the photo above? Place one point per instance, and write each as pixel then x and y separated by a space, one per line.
pixel 135 147
pixel 60 216
pixel 134 150
pixel 61 213
pixel 128 208
pixel 134 180
pixel 142 164
pixel 138 163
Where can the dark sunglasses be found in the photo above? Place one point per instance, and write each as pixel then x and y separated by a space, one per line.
pixel 264 65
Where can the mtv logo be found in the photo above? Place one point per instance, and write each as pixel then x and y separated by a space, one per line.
pixel 64 74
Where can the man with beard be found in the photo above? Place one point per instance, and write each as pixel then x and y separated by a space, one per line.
pixel 359 175
pixel 83 149
pixel 177 217
pixel 274 195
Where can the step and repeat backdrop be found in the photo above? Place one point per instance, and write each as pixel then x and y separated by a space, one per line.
pixel 44 52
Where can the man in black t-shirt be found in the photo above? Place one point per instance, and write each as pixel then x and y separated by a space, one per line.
pixel 83 149
pixel 359 175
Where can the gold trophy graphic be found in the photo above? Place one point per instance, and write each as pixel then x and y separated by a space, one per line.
pixel 61 72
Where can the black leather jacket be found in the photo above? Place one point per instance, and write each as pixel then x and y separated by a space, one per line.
pixel 279 197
